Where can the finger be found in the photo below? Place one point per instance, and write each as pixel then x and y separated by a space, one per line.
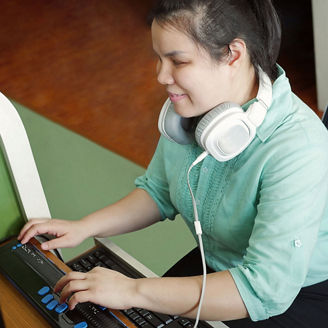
pixel 79 297
pixel 73 275
pixel 72 287
pixel 59 242
pixel 34 230
pixel 27 226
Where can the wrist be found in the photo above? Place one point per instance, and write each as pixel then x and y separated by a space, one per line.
pixel 88 227
pixel 138 298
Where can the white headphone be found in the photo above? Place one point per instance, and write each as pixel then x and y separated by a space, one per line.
pixel 226 130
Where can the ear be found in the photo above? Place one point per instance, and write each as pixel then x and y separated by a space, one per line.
pixel 238 51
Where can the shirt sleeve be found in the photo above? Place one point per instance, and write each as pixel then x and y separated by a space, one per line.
pixel 292 202
pixel 155 182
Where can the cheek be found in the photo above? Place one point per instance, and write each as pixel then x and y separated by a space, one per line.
pixel 212 90
pixel 189 81
pixel 204 88
pixel 199 87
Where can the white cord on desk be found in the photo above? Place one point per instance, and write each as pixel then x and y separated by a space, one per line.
pixel 198 229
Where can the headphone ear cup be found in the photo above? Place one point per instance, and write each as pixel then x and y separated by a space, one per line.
pixel 208 118
pixel 217 113
pixel 225 131
pixel 173 126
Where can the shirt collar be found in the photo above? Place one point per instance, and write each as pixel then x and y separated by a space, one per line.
pixel 280 108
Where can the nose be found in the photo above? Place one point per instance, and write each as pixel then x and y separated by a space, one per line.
pixel 164 74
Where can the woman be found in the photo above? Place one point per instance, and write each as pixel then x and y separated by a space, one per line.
pixel 262 199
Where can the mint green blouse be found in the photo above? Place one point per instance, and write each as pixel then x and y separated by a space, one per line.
pixel 264 214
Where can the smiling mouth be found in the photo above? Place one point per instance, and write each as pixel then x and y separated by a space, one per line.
pixel 176 97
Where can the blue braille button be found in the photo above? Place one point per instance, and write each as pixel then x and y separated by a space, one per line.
pixel 19 245
pixel 44 290
pixel 52 305
pixel 14 247
pixel 61 308
pixel 47 299
pixel 81 324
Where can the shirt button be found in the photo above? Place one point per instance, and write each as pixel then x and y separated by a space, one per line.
pixel 205 169
pixel 297 243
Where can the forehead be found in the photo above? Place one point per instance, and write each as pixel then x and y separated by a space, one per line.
pixel 166 38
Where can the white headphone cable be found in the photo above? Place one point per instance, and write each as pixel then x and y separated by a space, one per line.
pixel 198 229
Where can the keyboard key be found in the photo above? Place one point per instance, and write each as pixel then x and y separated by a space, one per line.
pixel 44 290
pixel 146 325
pixel 52 305
pixel 47 298
pixel 61 308
pixel 109 263
pixel 103 258
pixel 140 321
pixel 78 267
pixel 92 259
pixel 173 324
pixel 86 264
pixel 164 317
pixel 128 311
pixel 134 316
pixel 143 312
pixel 151 318
pixel 98 254
pixel 184 322
pixel 100 264
pixel 81 324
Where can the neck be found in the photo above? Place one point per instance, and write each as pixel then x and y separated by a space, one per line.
pixel 246 85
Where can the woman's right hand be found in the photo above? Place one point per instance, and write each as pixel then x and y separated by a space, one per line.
pixel 67 233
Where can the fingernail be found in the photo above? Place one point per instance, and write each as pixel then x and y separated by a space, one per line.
pixel 44 246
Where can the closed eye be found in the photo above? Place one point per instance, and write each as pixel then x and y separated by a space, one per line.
pixel 177 62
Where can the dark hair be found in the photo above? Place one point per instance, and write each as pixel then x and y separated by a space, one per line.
pixel 214 24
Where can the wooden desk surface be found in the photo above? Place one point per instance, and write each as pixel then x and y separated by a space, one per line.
pixel 16 310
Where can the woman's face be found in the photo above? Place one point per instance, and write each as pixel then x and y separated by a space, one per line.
pixel 195 82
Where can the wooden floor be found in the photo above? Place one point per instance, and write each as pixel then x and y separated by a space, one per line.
pixel 89 66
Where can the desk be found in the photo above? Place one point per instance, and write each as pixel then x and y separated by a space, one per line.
pixel 16 310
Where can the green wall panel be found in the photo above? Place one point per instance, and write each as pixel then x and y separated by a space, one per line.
pixel 11 219
pixel 80 177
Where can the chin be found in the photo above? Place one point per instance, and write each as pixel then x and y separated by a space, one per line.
pixel 186 111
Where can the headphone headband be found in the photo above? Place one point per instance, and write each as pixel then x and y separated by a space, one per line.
pixel 257 111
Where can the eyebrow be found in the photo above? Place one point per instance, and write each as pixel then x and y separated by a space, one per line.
pixel 173 53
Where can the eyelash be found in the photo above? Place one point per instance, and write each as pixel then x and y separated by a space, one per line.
pixel 176 62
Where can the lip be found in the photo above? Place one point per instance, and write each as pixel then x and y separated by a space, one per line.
pixel 174 97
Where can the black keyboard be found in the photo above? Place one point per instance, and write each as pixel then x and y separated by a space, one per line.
pixel 100 256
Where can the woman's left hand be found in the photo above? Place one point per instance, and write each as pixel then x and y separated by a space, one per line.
pixel 100 286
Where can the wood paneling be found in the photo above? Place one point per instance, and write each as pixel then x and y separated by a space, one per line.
pixel 89 66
